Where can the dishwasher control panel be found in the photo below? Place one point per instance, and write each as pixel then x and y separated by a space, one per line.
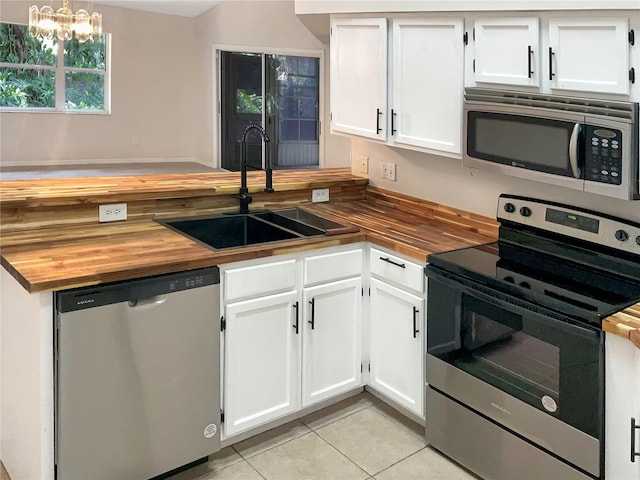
pixel 135 290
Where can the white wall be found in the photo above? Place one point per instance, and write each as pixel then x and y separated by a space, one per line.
pixel 444 180
pixel 268 25
pixel 153 58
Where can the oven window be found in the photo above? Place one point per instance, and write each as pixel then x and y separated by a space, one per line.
pixel 501 353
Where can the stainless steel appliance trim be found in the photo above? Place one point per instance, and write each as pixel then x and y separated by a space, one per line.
pixel 550 433
pixel 587 106
pixel 537 219
pixel 486 448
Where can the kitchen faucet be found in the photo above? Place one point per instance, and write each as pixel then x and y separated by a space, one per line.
pixel 245 198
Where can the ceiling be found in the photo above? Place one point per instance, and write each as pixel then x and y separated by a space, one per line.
pixel 185 8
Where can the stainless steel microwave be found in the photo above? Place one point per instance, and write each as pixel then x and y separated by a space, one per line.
pixel 583 144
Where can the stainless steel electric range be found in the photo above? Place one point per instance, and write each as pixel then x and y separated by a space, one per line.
pixel 515 353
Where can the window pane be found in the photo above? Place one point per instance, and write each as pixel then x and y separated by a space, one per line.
pixel 308 130
pixel 84 91
pixel 85 55
pixel 289 130
pixel 20 87
pixel 308 108
pixel 18 46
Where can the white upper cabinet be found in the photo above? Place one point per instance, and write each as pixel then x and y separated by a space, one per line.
pixel 359 76
pixel 590 55
pixel 427 81
pixel 507 51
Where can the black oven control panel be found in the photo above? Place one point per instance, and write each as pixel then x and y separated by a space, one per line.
pixel 573 222
pixel 603 155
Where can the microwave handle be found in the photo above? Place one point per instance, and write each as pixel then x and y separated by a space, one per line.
pixel 573 150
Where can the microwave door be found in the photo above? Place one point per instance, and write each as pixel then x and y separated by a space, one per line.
pixel 546 147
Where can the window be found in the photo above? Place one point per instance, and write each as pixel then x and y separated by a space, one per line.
pixel 36 74
pixel 280 92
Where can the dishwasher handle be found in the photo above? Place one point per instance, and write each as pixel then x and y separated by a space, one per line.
pixel 149 301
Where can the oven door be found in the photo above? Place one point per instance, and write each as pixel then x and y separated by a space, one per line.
pixel 526 368
pixel 536 144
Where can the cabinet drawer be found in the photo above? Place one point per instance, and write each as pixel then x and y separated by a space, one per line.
pixel 332 266
pixel 396 269
pixel 259 280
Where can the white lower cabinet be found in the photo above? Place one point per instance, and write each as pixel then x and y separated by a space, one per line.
pixel 622 407
pixel 397 345
pixel 332 340
pixel 287 347
pixel 261 362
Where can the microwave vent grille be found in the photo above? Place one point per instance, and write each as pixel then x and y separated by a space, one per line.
pixel 588 106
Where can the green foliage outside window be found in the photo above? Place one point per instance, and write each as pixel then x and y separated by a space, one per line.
pixel 28 69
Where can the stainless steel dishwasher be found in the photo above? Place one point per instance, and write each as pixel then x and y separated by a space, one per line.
pixel 137 376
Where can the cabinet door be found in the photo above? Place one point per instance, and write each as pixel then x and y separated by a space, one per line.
pixel 622 401
pixel 332 345
pixel 507 51
pixel 589 55
pixel 397 345
pixel 359 76
pixel 427 83
pixel 261 361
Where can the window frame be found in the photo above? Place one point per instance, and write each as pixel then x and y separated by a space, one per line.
pixel 60 71
pixel 217 85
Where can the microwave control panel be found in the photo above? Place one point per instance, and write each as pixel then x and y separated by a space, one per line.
pixel 603 155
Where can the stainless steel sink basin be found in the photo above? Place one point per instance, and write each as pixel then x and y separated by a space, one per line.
pixel 226 231
pixel 283 217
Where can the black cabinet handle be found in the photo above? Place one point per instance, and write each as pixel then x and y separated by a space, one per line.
pixel 393 116
pixel 551 54
pixel 378 113
pixel 415 321
pixel 530 60
pixel 312 302
pixel 634 426
pixel 296 325
pixel 386 259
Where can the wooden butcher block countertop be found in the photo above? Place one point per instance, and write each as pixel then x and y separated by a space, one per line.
pixel 57 258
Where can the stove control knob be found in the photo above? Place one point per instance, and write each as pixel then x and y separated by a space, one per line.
pixel 525 285
pixel 525 211
pixel 638 239
pixel 622 236
pixel 509 207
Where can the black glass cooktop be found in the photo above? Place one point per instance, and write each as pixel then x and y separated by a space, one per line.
pixel 569 278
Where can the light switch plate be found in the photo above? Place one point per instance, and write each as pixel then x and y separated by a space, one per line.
pixel 320 195
pixel 112 212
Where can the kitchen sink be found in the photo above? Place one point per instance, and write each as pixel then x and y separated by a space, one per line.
pixel 226 231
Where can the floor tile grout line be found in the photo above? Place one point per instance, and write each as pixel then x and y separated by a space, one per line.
pixel 335 420
pixel 341 453
pixel 272 447
pixel 401 460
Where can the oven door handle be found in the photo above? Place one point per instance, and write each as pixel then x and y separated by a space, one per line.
pixel 514 304
pixel 573 150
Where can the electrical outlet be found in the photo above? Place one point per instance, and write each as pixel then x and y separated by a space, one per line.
pixel 112 212
pixel 320 195
pixel 364 164
pixel 389 171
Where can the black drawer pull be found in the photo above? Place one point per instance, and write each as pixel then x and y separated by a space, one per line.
pixel 530 60
pixel 296 325
pixel 378 113
pixel 393 116
pixel 634 426
pixel 386 259
pixel 551 54
pixel 415 321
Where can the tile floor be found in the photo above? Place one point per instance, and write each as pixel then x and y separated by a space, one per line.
pixel 360 438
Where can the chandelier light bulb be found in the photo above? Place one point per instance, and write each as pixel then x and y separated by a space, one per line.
pixel 47 23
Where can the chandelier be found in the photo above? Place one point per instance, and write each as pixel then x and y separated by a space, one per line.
pixel 47 23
